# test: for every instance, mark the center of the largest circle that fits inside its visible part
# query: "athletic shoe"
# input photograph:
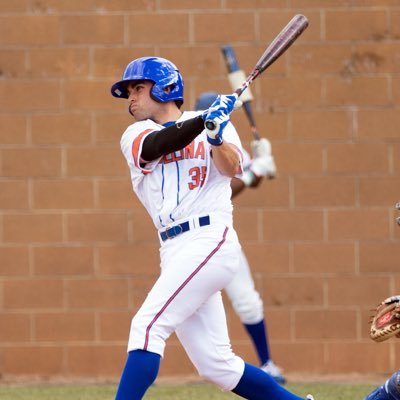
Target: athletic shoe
(310, 397)
(274, 372)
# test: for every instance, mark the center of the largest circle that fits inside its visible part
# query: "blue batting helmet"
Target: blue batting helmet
(156, 69)
(205, 100)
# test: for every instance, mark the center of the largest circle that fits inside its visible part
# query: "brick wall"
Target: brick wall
(77, 251)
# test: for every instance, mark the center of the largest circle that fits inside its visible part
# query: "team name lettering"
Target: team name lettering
(192, 150)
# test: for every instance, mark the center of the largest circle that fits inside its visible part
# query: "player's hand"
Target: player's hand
(218, 114)
(263, 166)
(261, 148)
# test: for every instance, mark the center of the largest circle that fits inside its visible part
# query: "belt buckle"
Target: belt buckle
(173, 231)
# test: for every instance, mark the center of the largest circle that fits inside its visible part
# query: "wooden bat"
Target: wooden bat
(278, 46)
(237, 75)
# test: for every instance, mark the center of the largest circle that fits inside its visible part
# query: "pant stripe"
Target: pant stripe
(181, 287)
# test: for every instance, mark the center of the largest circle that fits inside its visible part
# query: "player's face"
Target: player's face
(141, 105)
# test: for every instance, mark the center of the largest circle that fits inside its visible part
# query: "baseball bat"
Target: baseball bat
(237, 75)
(278, 46)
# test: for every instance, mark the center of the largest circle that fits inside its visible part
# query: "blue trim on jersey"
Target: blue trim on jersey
(178, 182)
(169, 123)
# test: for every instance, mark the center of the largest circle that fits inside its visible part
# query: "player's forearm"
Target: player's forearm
(172, 138)
(226, 159)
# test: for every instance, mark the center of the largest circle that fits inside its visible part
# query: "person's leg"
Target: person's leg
(205, 338)
(140, 372)
(248, 305)
(390, 390)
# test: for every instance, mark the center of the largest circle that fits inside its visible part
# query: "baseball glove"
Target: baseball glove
(385, 322)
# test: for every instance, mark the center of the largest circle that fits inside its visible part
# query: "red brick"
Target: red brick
(13, 129)
(45, 93)
(116, 193)
(293, 225)
(142, 227)
(379, 257)
(176, 361)
(15, 327)
(38, 361)
(238, 27)
(34, 30)
(318, 58)
(160, 29)
(356, 24)
(104, 294)
(88, 95)
(64, 327)
(13, 194)
(33, 294)
(247, 223)
(63, 261)
(321, 5)
(125, 5)
(272, 22)
(323, 258)
(379, 191)
(288, 291)
(97, 227)
(63, 194)
(326, 191)
(358, 224)
(12, 64)
(110, 127)
(298, 158)
(56, 63)
(142, 258)
(288, 92)
(52, 6)
(96, 360)
(17, 6)
(188, 4)
(111, 61)
(367, 353)
(32, 228)
(115, 325)
(378, 124)
(321, 125)
(325, 324)
(275, 257)
(396, 157)
(357, 158)
(356, 290)
(93, 29)
(270, 193)
(360, 90)
(101, 161)
(14, 261)
(32, 162)
(61, 129)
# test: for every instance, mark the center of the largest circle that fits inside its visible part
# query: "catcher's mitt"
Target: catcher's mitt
(386, 320)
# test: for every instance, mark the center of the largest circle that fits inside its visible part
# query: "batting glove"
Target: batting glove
(264, 166)
(263, 163)
(218, 116)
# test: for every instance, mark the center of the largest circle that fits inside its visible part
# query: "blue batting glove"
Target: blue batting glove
(217, 117)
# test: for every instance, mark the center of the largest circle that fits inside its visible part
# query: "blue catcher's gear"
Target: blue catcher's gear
(205, 100)
(156, 69)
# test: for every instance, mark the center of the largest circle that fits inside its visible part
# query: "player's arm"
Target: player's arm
(226, 159)
(247, 180)
(172, 138)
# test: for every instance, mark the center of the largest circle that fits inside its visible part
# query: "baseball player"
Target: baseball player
(245, 299)
(181, 173)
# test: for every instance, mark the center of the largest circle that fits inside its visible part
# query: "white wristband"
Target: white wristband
(247, 178)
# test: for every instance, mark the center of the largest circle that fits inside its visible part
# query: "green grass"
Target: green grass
(197, 391)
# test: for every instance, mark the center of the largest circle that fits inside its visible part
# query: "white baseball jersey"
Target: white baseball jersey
(174, 186)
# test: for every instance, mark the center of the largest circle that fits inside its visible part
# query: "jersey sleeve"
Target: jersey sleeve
(132, 145)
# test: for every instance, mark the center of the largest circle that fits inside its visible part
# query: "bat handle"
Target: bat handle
(211, 125)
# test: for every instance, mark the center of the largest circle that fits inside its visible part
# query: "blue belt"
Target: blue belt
(183, 227)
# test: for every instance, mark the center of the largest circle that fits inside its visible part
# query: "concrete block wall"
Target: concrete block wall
(77, 250)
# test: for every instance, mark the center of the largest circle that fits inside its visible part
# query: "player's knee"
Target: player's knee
(250, 309)
(224, 375)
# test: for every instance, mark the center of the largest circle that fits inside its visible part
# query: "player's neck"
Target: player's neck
(168, 113)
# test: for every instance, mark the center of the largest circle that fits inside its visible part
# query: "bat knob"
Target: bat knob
(210, 125)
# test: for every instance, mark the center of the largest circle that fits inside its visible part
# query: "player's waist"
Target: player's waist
(196, 222)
